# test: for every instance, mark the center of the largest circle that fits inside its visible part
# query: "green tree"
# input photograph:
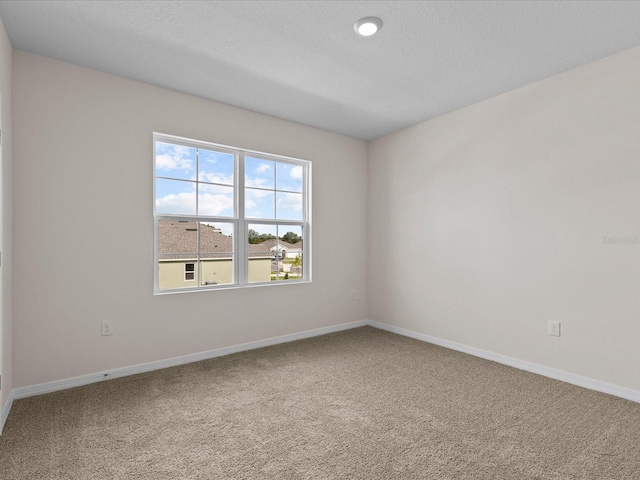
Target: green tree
(291, 237)
(255, 237)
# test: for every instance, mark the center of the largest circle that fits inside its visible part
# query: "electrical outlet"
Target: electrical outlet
(106, 328)
(554, 328)
(353, 294)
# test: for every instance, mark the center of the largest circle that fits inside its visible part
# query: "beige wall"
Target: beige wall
(83, 186)
(171, 273)
(6, 231)
(500, 209)
(259, 269)
(220, 270)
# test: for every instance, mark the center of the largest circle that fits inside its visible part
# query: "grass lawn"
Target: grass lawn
(291, 277)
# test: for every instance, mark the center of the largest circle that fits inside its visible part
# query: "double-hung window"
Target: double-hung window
(228, 217)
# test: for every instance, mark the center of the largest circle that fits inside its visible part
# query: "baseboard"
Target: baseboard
(56, 385)
(4, 413)
(556, 374)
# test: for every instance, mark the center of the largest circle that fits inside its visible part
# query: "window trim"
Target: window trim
(239, 221)
(192, 272)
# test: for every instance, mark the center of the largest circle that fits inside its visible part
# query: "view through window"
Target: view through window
(228, 217)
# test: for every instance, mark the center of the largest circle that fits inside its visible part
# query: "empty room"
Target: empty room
(320, 240)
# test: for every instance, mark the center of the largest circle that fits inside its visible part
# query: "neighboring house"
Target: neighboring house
(279, 248)
(178, 261)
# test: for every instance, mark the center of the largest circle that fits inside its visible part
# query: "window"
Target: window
(189, 272)
(228, 217)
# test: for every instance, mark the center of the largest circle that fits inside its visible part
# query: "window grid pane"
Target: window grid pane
(285, 201)
(216, 254)
(201, 184)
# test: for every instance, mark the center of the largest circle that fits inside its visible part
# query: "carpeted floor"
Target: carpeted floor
(360, 404)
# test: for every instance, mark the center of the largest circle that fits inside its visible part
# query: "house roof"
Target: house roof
(269, 244)
(179, 239)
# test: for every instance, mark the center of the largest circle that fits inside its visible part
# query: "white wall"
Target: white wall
(6, 67)
(483, 224)
(499, 210)
(84, 230)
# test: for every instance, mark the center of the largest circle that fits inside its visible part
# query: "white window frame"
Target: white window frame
(239, 222)
(187, 272)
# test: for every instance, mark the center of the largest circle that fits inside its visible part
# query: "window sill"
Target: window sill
(218, 288)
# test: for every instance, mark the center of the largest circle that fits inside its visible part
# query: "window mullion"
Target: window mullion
(198, 272)
(197, 177)
(206, 225)
(306, 230)
(242, 260)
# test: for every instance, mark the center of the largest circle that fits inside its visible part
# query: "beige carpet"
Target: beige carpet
(361, 404)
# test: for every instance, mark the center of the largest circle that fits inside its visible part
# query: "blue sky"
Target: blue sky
(273, 188)
(264, 180)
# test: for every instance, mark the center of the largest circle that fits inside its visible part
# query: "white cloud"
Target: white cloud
(257, 201)
(175, 157)
(258, 194)
(209, 204)
(208, 156)
(255, 182)
(263, 168)
(184, 203)
(214, 178)
(289, 201)
(296, 172)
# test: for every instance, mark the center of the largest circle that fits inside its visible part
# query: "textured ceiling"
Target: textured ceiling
(302, 61)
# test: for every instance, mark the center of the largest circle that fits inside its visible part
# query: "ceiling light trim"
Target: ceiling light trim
(367, 26)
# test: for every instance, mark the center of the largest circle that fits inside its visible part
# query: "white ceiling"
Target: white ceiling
(302, 61)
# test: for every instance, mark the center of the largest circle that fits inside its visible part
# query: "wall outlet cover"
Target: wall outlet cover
(554, 328)
(106, 328)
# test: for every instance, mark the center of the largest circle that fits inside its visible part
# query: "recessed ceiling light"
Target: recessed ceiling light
(367, 26)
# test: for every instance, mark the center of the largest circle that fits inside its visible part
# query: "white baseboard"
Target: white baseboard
(556, 374)
(54, 386)
(4, 413)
